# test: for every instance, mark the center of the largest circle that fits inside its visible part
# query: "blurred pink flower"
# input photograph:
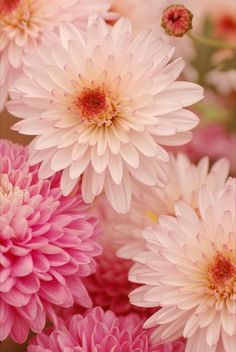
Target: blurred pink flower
(24, 22)
(189, 269)
(109, 286)
(101, 106)
(47, 246)
(101, 332)
(214, 141)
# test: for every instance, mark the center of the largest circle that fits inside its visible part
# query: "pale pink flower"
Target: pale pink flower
(101, 105)
(189, 269)
(47, 246)
(23, 23)
(185, 181)
(101, 332)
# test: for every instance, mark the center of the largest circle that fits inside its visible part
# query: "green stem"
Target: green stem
(212, 42)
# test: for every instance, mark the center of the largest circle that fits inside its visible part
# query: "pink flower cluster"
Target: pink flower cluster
(101, 332)
(47, 246)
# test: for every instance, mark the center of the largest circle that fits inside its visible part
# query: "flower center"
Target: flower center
(7, 190)
(222, 276)
(16, 14)
(96, 107)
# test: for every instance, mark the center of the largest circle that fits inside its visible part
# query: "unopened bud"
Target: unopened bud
(176, 20)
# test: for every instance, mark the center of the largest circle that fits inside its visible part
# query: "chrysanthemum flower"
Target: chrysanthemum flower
(185, 182)
(189, 269)
(23, 22)
(101, 332)
(101, 105)
(47, 246)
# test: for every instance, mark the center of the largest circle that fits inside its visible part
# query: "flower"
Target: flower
(189, 269)
(109, 285)
(223, 81)
(99, 331)
(176, 20)
(100, 105)
(215, 141)
(148, 206)
(24, 22)
(47, 246)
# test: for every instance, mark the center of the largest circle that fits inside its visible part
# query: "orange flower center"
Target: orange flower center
(222, 275)
(95, 106)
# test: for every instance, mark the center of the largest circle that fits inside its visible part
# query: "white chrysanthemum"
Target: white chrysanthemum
(101, 104)
(189, 269)
(185, 181)
(23, 22)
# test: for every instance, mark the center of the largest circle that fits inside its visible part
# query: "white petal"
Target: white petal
(144, 143)
(115, 166)
(79, 165)
(61, 159)
(119, 196)
(67, 184)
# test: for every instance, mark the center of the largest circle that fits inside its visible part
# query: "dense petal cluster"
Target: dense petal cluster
(47, 245)
(101, 104)
(189, 269)
(101, 332)
(185, 181)
(23, 23)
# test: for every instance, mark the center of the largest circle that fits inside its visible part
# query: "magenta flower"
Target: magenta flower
(47, 246)
(109, 286)
(101, 332)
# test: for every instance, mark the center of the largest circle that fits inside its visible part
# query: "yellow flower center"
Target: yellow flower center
(95, 106)
(222, 275)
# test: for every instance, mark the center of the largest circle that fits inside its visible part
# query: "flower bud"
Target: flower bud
(176, 20)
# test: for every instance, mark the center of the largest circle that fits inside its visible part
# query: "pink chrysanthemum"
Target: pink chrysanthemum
(189, 269)
(185, 182)
(100, 105)
(99, 331)
(23, 23)
(47, 246)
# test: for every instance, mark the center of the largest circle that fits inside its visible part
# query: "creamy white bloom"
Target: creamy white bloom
(23, 23)
(101, 104)
(189, 269)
